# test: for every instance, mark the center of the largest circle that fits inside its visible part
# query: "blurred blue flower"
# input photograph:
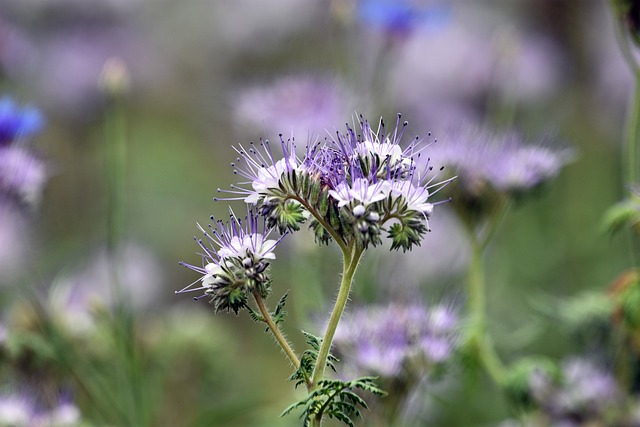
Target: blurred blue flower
(16, 122)
(402, 17)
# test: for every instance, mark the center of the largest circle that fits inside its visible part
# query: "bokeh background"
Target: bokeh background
(202, 76)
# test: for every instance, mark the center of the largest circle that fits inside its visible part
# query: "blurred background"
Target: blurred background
(186, 81)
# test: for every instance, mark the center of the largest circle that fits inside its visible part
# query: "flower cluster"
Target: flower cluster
(348, 187)
(351, 185)
(386, 340)
(235, 257)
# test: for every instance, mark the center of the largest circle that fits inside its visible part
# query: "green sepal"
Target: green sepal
(323, 201)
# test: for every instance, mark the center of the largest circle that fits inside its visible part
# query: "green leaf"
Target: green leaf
(621, 215)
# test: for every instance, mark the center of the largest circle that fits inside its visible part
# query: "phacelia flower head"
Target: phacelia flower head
(351, 184)
(235, 259)
(492, 167)
(503, 161)
(16, 122)
(263, 170)
(387, 340)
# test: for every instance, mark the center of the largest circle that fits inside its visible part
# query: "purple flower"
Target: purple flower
(303, 105)
(503, 161)
(384, 339)
(76, 296)
(584, 392)
(18, 410)
(262, 169)
(16, 122)
(365, 174)
(22, 175)
(235, 258)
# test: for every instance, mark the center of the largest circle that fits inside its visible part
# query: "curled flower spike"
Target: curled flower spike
(235, 260)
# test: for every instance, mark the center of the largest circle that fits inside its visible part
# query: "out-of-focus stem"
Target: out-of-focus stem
(633, 134)
(116, 143)
(479, 337)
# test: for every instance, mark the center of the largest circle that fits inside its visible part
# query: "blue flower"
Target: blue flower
(16, 122)
(402, 16)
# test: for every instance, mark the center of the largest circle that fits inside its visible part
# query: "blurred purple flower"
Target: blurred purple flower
(15, 410)
(305, 105)
(585, 391)
(472, 58)
(503, 161)
(19, 410)
(380, 340)
(75, 296)
(15, 241)
(22, 175)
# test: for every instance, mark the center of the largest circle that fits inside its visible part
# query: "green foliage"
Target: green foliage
(335, 399)
(278, 315)
(518, 380)
(308, 360)
(406, 233)
(621, 215)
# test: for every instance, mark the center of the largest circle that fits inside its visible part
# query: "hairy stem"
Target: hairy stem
(349, 266)
(324, 223)
(275, 330)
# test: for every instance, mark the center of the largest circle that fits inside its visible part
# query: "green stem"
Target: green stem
(480, 339)
(275, 330)
(324, 223)
(116, 143)
(349, 266)
(632, 134)
(630, 150)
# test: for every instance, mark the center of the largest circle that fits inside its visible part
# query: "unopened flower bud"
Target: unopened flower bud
(363, 226)
(114, 77)
(358, 211)
(247, 262)
(373, 217)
